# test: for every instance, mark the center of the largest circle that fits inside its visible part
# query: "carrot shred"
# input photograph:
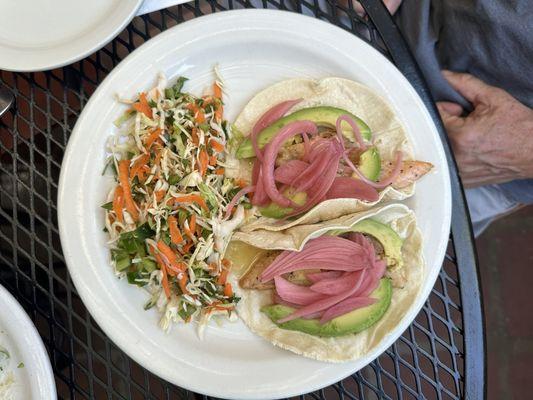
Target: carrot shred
(158, 156)
(219, 171)
(138, 165)
(216, 145)
(152, 138)
(198, 113)
(118, 203)
(192, 223)
(194, 136)
(226, 262)
(159, 195)
(175, 235)
(241, 183)
(183, 283)
(217, 90)
(142, 106)
(228, 290)
(123, 177)
(213, 266)
(213, 160)
(203, 160)
(187, 247)
(171, 257)
(191, 198)
(164, 277)
(223, 277)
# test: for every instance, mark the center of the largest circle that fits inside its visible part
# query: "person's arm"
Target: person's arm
(494, 143)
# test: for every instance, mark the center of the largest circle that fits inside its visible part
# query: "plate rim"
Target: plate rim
(76, 55)
(386, 342)
(26, 324)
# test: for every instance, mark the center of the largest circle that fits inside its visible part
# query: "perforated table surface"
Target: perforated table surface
(440, 356)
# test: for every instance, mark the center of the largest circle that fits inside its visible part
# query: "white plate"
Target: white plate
(18, 335)
(37, 35)
(254, 48)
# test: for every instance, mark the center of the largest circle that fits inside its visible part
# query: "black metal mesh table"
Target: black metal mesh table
(440, 356)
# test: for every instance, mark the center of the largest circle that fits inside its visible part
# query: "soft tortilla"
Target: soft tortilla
(388, 136)
(349, 347)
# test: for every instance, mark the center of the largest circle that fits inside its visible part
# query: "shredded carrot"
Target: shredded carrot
(219, 171)
(152, 138)
(158, 155)
(142, 106)
(191, 198)
(216, 145)
(138, 164)
(226, 262)
(203, 160)
(164, 277)
(188, 246)
(198, 113)
(213, 266)
(183, 283)
(192, 223)
(170, 255)
(175, 235)
(228, 290)
(213, 160)
(188, 232)
(118, 203)
(159, 195)
(218, 94)
(194, 136)
(222, 278)
(123, 177)
(241, 183)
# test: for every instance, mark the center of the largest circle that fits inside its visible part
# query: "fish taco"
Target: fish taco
(310, 151)
(330, 291)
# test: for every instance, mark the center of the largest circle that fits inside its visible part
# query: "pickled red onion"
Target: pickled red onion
(355, 129)
(270, 154)
(236, 198)
(288, 172)
(296, 294)
(267, 119)
(348, 305)
(350, 188)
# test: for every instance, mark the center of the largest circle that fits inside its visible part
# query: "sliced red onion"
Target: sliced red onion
(346, 306)
(315, 170)
(384, 182)
(307, 147)
(344, 187)
(318, 276)
(355, 129)
(270, 154)
(296, 294)
(288, 172)
(336, 285)
(267, 119)
(236, 198)
(323, 304)
(335, 252)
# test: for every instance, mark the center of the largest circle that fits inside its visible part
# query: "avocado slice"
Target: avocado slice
(389, 239)
(349, 323)
(370, 163)
(274, 210)
(322, 116)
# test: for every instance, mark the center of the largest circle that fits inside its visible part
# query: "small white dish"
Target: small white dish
(37, 35)
(253, 49)
(28, 362)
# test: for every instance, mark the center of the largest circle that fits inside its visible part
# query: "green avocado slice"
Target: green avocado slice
(322, 116)
(370, 163)
(275, 211)
(392, 243)
(349, 323)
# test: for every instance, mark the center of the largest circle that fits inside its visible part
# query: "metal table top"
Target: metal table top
(440, 356)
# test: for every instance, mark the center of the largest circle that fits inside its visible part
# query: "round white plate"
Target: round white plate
(37, 35)
(254, 49)
(33, 380)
